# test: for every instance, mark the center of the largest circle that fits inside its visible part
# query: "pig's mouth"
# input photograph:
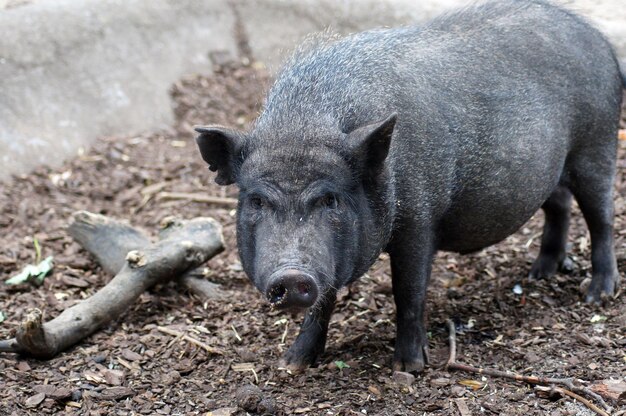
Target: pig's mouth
(292, 289)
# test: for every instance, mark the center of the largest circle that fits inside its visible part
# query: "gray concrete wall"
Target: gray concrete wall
(71, 70)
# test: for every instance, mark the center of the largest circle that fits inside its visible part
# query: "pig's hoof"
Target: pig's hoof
(416, 366)
(547, 266)
(601, 288)
(411, 363)
(298, 359)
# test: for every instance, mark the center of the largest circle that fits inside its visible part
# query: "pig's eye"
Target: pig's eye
(257, 202)
(328, 201)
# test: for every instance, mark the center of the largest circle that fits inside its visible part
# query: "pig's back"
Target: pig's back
(490, 100)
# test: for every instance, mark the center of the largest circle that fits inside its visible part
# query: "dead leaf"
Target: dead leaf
(475, 385)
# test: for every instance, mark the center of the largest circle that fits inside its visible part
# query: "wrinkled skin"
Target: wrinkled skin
(414, 140)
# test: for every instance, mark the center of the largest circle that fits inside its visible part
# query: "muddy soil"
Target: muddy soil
(132, 368)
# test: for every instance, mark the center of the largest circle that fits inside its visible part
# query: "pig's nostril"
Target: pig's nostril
(304, 288)
(277, 294)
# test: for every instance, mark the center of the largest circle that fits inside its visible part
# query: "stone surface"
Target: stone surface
(73, 71)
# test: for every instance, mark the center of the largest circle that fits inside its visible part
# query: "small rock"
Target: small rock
(33, 401)
(267, 406)
(248, 397)
(171, 377)
(77, 395)
(403, 378)
(99, 359)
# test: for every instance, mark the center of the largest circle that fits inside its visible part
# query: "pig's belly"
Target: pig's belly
(480, 217)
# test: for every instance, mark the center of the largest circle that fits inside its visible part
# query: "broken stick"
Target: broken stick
(109, 241)
(567, 382)
(188, 245)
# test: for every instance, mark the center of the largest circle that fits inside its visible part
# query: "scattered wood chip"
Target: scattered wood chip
(440, 382)
(374, 390)
(74, 281)
(33, 401)
(23, 366)
(116, 393)
(113, 377)
(60, 394)
(613, 390)
(130, 355)
(93, 377)
(223, 411)
(462, 406)
(178, 334)
(403, 378)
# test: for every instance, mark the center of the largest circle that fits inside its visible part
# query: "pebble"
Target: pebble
(248, 397)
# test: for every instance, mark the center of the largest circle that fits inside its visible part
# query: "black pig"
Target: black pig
(448, 136)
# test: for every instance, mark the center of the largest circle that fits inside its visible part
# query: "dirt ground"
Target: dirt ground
(131, 368)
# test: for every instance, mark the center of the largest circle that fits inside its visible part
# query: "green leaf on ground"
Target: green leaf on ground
(2, 317)
(341, 365)
(32, 273)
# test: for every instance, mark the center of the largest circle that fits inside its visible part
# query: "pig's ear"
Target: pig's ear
(221, 149)
(370, 143)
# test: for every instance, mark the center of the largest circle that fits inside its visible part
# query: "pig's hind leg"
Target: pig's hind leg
(591, 179)
(552, 255)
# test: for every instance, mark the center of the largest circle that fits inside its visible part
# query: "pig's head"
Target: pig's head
(313, 212)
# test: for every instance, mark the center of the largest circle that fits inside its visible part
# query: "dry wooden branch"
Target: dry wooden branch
(186, 246)
(567, 382)
(109, 241)
(554, 390)
(216, 200)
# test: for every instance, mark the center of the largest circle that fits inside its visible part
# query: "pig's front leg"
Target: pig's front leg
(411, 252)
(311, 340)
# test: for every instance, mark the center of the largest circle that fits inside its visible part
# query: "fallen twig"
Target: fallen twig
(217, 200)
(190, 339)
(552, 390)
(109, 241)
(186, 246)
(567, 382)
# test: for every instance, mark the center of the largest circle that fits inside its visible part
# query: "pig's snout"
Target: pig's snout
(292, 288)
